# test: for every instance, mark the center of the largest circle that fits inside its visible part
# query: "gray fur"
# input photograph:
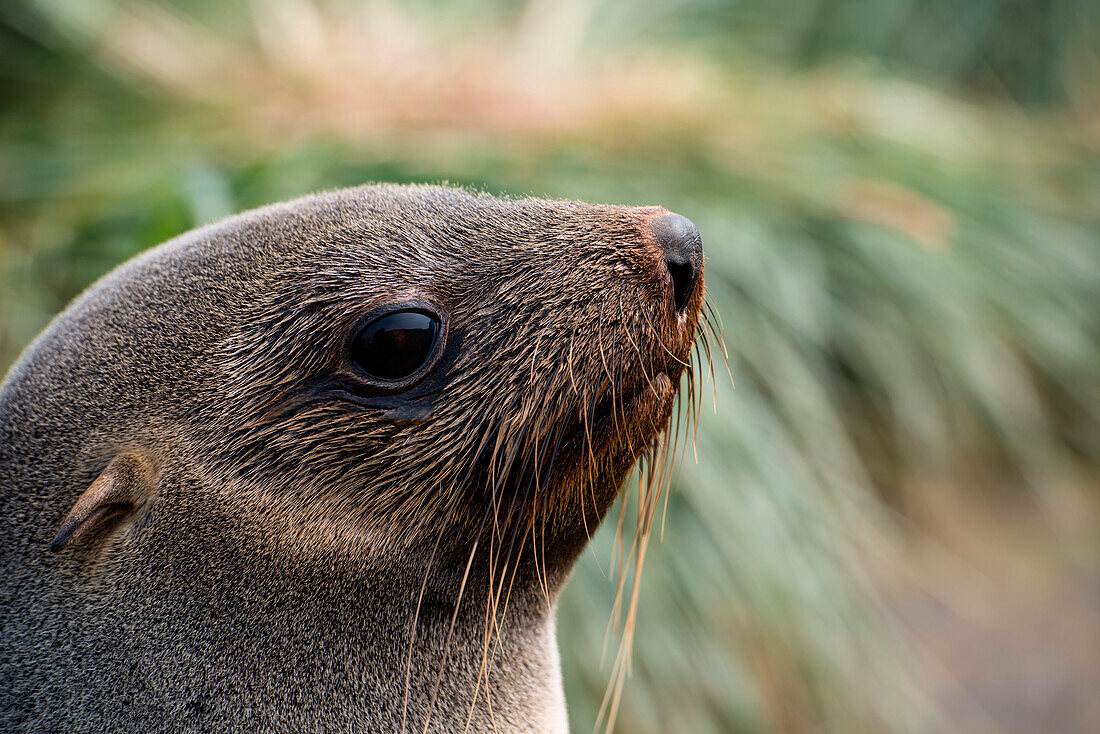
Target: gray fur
(269, 578)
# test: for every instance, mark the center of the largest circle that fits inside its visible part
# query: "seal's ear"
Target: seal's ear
(118, 489)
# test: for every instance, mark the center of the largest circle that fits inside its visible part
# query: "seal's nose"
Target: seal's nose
(679, 240)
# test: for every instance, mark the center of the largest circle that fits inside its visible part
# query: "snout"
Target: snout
(682, 249)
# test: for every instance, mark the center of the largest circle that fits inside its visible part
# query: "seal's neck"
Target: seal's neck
(374, 645)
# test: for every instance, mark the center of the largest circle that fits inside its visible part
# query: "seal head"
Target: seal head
(300, 465)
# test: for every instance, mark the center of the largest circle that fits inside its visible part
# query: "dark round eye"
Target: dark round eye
(396, 345)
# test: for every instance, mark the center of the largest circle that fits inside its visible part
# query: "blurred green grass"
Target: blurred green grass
(905, 260)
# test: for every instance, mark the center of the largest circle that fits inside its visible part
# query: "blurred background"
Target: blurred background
(893, 524)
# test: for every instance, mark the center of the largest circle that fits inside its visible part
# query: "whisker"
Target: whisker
(454, 620)
(416, 619)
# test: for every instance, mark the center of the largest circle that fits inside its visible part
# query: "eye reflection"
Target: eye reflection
(396, 345)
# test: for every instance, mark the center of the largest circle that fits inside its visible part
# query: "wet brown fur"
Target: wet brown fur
(311, 552)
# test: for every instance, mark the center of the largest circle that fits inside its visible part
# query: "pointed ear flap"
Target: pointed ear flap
(119, 489)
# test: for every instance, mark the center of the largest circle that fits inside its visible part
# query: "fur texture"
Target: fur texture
(299, 550)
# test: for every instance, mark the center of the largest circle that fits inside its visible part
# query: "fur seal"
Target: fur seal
(326, 465)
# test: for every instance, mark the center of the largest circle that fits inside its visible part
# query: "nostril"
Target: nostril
(683, 281)
(679, 240)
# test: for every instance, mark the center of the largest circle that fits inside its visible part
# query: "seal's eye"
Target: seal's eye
(395, 345)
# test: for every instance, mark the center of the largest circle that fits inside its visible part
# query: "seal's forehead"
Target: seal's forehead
(408, 206)
(396, 225)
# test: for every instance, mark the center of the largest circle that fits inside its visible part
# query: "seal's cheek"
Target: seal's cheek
(645, 414)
